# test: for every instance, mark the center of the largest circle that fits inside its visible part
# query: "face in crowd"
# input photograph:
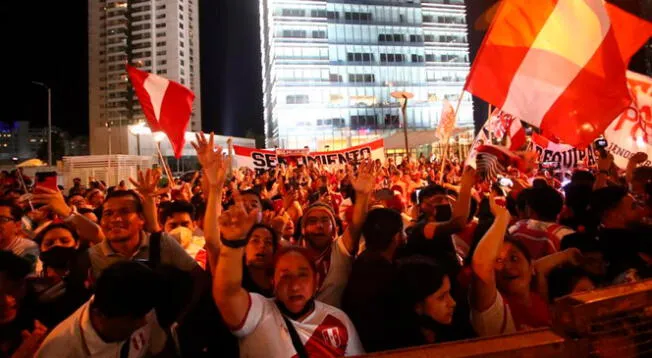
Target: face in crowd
(440, 305)
(318, 229)
(9, 227)
(121, 219)
(180, 219)
(513, 269)
(295, 280)
(259, 251)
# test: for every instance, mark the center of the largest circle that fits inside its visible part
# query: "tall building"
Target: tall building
(329, 67)
(158, 36)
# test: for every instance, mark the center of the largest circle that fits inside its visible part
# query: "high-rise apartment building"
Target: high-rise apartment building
(158, 36)
(329, 67)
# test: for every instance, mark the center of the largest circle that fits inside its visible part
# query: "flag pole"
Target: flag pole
(164, 163)
(22, 183)
(445, 156)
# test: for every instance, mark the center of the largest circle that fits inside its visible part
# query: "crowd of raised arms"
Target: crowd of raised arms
(309, 260)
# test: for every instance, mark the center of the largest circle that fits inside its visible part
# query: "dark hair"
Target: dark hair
(41, 235)
(419, 277)
(268, 228)
(380, 227)
(85, 211)
(562, 280)
(539, 183)
(16, 267)
(307, 254)
(430, 191)
(605, 199)
(15, 211)
(125, 289)
(582, 176)
(546, 202)
(581, 241)
(119, 194)
(520, 246)
(252, 192)
(178, 206)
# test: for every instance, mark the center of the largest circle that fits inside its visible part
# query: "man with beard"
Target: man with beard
(293, 323)
(621, 232)
(334, 256)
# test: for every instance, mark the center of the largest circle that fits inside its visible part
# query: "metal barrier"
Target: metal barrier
(611, 322)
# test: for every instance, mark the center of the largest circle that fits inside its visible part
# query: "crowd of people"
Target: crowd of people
(309, 260)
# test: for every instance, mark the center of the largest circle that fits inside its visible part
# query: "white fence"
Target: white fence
(109, 168)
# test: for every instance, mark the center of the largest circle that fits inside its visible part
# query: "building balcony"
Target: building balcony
(446, 64)
(409, 3)
(300, 20)
(294, 40)
(373, 23)
(377, 43)
(447, 45)
(377, 63)
(326, 83)
(445, 26)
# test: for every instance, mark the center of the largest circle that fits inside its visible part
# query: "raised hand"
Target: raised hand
(468, 177)
(147, 184)
(365, 180)
(214, 163)
(638, 158)
(53, 199)
(31, 341)
(496, 209)
(235, 223)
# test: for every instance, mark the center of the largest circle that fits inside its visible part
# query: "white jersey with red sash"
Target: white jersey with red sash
(541, 238)
(334, 268)
(326, 332)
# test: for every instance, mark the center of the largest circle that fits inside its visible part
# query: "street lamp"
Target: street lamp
(49, 119)
(404, 96)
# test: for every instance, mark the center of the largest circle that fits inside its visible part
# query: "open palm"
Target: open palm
(215, 164)
(365, 180)
(147, 183)
(235, 223)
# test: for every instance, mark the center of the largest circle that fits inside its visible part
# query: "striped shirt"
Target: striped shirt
(541, 238)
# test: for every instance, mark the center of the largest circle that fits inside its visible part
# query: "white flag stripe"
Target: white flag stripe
(566, 46)
(156, 87)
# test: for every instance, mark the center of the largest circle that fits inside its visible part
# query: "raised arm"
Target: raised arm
(215, 167)
(231, 299)
(53, 199)
(546, 264)
(483, 288)
(363, 184)
(147, 187)
(633, 162)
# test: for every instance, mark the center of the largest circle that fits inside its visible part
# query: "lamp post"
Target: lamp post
(404, 96)
(49, 119)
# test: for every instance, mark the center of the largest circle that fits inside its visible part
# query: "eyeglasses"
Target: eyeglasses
(6, 219)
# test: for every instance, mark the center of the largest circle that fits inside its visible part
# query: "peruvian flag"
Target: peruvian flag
(559, 64)
(167, 105)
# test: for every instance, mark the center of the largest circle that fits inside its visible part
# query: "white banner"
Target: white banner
(267, 159)
(631, 132)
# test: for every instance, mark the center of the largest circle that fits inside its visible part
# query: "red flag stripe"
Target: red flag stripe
(176, 106)
(138, 82)
(500, 39)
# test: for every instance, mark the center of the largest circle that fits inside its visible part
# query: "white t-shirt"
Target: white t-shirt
(76, 337)
(333, 285)
(326, 332)
(494, 321)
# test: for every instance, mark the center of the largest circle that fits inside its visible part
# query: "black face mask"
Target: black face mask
(58, 257)
(443, 212)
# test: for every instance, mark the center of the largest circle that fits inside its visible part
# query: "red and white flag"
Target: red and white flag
(446, 122)
(167, 105)
(631, 132)
(507, 129)
(559, 64)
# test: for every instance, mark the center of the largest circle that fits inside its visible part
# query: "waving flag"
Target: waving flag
(559, 64)
(167, 105)
(446, 122)
(506, 129)
(631, 132)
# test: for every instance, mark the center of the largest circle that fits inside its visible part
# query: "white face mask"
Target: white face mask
(183, 235)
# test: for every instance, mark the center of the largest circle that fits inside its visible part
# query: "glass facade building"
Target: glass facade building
(329, 67)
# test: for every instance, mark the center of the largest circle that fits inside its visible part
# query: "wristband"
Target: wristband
(235, 244)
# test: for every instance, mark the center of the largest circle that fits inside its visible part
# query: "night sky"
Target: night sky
(48, 42)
